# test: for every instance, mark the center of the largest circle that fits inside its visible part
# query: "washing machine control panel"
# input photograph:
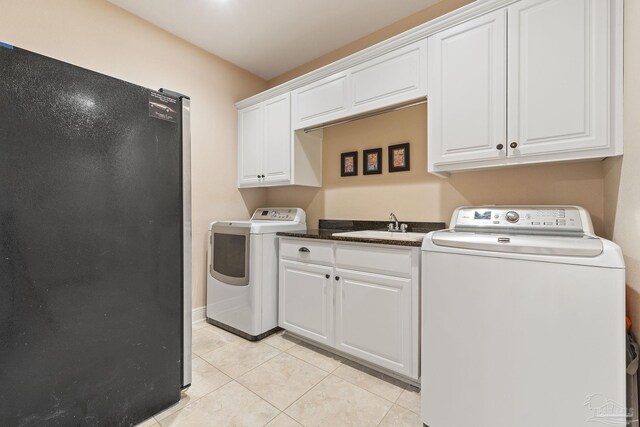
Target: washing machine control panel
(275, 214)
(560, 219)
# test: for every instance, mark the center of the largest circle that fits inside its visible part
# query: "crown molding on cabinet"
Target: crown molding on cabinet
(455, 17)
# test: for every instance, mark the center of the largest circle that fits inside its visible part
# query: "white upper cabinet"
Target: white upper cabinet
(269, 153)
(508, 82)
(562, 100)
(558, 76)
(467, 91)
(250, 145)
(321, 101)
(392, 78)
(277, 140)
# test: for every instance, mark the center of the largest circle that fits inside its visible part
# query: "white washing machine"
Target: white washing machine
(242, 273)
(523, 320)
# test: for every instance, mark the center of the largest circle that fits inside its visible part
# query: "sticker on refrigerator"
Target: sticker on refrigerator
(163, 107)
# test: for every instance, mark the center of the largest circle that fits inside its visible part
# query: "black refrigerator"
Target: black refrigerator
(95, 255)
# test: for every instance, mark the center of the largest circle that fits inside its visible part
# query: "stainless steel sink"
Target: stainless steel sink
(385, 235)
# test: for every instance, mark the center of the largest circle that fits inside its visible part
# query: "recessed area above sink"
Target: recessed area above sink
(385, 235)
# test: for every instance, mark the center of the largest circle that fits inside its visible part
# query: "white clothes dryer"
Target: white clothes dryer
(242, 272)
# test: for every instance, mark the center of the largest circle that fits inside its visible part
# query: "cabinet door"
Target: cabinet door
(249, 145)
(393, 78)
(306, 300)
(467, 92)
(374, 319)
(321, 101)
(558, 76)
(277, 139)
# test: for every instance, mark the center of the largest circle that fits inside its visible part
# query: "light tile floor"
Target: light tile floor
(280, 382)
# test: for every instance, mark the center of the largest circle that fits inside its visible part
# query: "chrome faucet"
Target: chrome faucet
(393, 226)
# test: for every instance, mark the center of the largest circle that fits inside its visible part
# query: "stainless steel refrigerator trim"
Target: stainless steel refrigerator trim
(186, 239)
(238, 231)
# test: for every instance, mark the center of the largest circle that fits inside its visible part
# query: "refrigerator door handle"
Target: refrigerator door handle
(186, 238)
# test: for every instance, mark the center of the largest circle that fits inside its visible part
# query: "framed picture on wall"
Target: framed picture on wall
(349, 164)
(372, 161)
(399, 157)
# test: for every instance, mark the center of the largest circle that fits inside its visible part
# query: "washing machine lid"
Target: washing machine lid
(579, 246)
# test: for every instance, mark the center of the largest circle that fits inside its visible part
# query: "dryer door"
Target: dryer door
(230, 247)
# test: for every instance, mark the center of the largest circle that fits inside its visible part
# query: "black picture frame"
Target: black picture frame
(406, 154)
(344, 165)
(372, 161)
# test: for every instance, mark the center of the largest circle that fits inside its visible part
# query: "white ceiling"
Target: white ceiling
(270, 37)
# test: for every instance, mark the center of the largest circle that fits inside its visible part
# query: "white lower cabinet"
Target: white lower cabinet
(373, 319)
(349, 305)
(306, 300)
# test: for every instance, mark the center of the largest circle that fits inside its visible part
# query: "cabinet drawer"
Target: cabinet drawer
(394, 262)
(306, 251)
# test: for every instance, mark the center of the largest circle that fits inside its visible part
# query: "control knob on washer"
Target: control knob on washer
(512, 216)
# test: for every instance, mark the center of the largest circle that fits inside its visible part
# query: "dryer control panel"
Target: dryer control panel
(278, 214)
(531, 219)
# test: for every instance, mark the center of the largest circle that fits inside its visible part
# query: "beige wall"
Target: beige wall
(396, 28)
(97, 35)
(622, 175)
(419, 196)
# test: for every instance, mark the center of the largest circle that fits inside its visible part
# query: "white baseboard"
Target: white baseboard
(199, 314)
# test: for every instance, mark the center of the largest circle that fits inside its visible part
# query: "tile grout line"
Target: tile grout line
(195, 400)
(254, 342)
(264, 400)
(404, 407)
(398, 398)
(257, 366)
(303, 395)
(298, 359)
(224, 338)
(362, 388)
(301, 359)
(385, 415)
(271, 345)
(213, 391)
(340, 362)
(343, 379)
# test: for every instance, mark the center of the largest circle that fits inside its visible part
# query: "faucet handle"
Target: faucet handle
(390, 226)
(403, 228)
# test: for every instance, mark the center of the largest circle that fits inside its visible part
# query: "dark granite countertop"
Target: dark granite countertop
(328, 227)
